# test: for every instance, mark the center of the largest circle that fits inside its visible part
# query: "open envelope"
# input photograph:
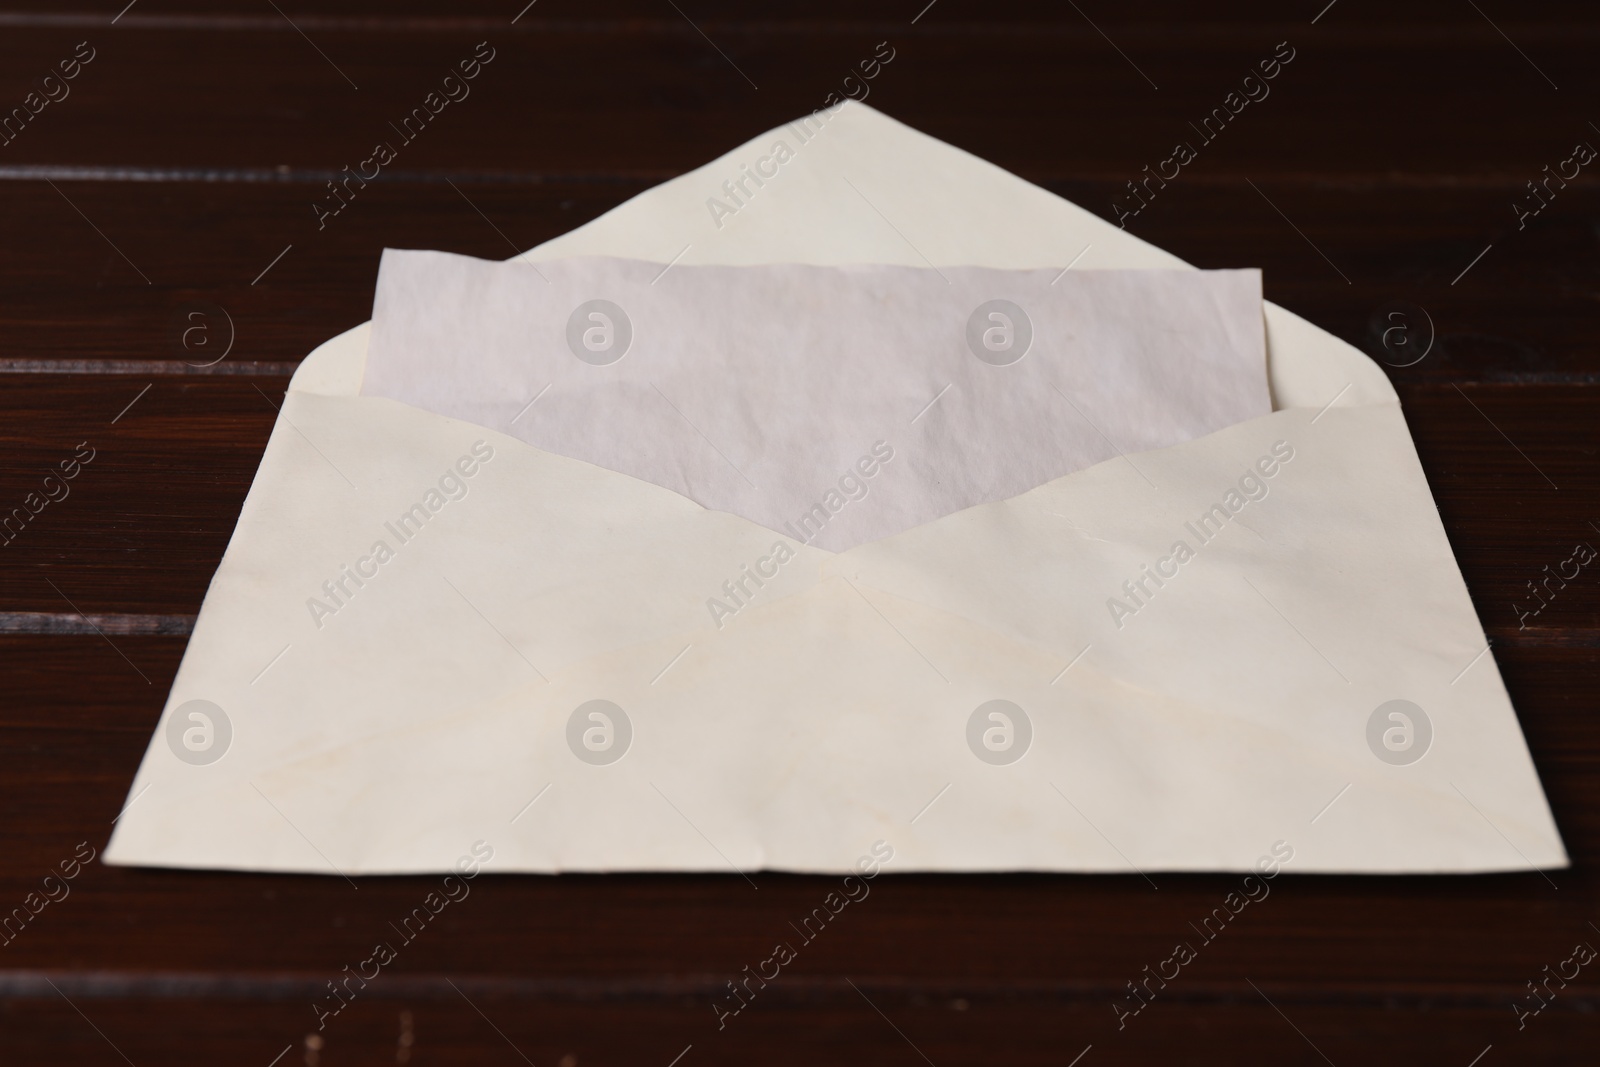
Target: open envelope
(535, 668)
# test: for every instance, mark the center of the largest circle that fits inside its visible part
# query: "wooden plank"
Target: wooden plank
(1052, 97)
(1516, 314)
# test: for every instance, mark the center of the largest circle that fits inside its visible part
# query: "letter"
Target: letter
(865, 89)
(1148, 177)
(460, 87)
(79, 851)
(1229, 100)
(362, 971)
(361, 168)
(382, 552)
(1132, 594)
(418, 515)
(384, 954)
(761, 968)
(1149, 577)
(70, 868)
(429, 902)
(832, 898)
(1266, 890)
(832, 103)
(32, 99)
(346, 983)
(748, 977)
(79, 452)
(65, 889)
(31, 899)
(469, 68)
(421, 916)
(867, 867)
(31, 499)
(419, 117)
(762, 570)
(751, 177)
(1232, 501)
(718, 209)
(1116, 606)
(732, 194)
(433, 499)
(490, 57)
(322, 1016)
(1184, 154)
(869, 68)
(1261, 85)
(1561, 568)
(332, 594)
(714, 606)
(865, 888)
(1267, 466)
(742, 581)
(61, 86)
(452, 485)
(1561, 968)
(466, 890)
(805, 924)
(1561, 168)
(1278, 51)
(1123, 1014)
(1252, 487)
(483, 450)
(467, 867)
(879, 52)
(1137, 994)
(1282, 850)
(732, 594)
(1583, 153)
(1149, 978)
(1161, 168)
(69, 468)
(1523, 1016)
(1219, 514)
(65, 489)
(1123, 214)
(1182, 552)
(782, 153)
(740, 184)
(1283, 450)
(1173, 573)
(348, 574)
(1548, 577)
(723, 1015)
(318, 609)
(359, 569)
(1549, 978)
(1143, 583)
(1269, 68)
(69, 68)
(323, 214)
(485, 851)
(1546, 182)
(883, 451)
(79, 52)
(12, 518)
(1222, 923)
(1579, 551)
(1234, 903)
(434, 102)
(867, 466)
(1584, 952)
(1176, 969)
(344, 183)
(1522, 616)
(1535, 592)
(782, 552)
(21, 117)
(1220, 116)
(1267, 867)
(773, 173)
(853, 487)
(384, 154)
(817, 514)
(467, 466)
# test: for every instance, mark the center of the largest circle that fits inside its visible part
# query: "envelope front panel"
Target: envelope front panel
(536, 665)
(779, 393)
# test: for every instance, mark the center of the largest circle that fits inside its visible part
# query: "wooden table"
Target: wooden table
(161, 207)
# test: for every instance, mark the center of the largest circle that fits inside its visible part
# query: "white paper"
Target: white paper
(837, 405)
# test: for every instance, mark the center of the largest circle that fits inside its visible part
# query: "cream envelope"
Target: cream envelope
(1042, 682)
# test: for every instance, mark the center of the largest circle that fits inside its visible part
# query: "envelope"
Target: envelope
(1180, 658)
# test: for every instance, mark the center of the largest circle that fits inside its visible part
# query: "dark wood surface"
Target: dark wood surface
(187, 156)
